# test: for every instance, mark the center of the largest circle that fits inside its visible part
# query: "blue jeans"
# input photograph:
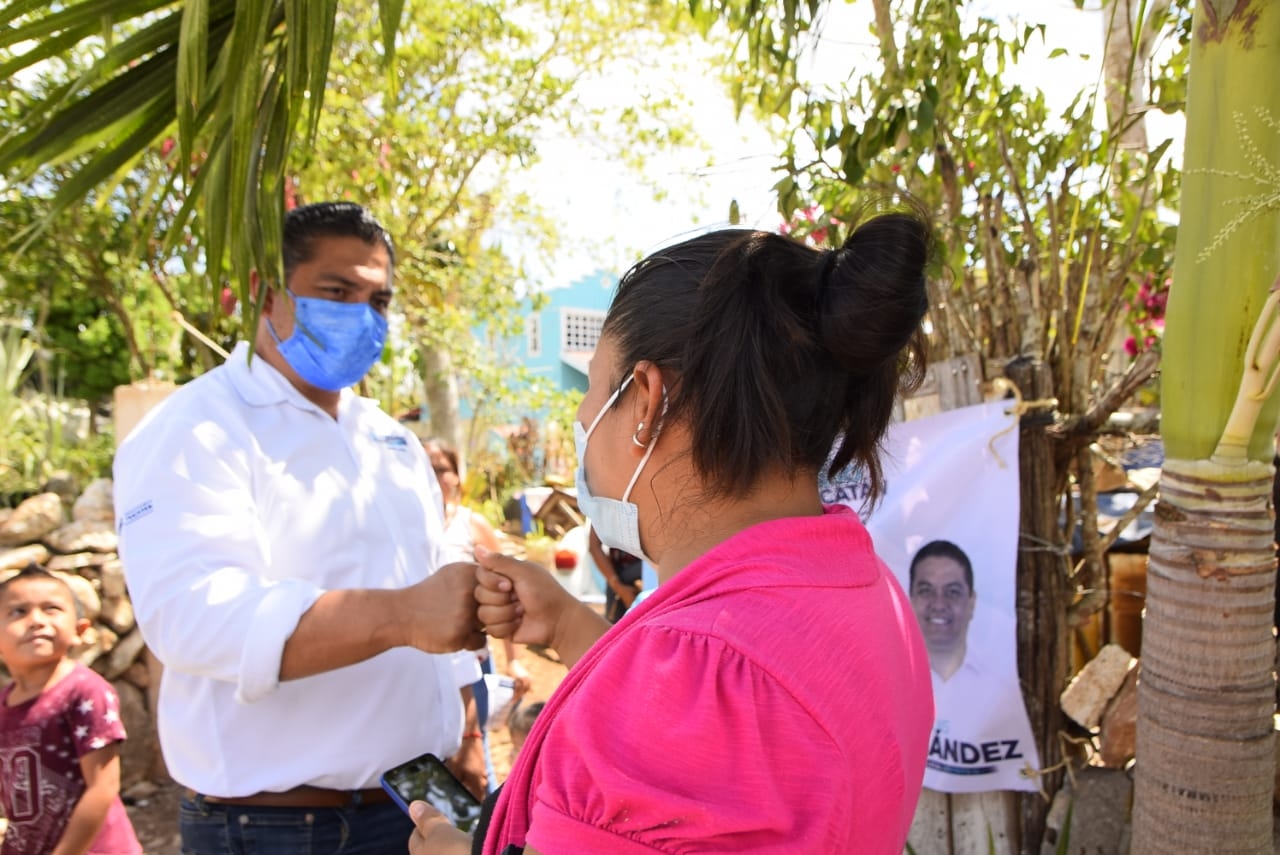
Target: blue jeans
(211, 829)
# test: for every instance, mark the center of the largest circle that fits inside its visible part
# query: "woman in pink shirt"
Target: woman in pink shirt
(712, 717)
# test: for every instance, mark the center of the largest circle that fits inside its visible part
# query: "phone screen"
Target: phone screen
(426, 778)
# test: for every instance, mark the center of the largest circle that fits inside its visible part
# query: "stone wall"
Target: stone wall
(74, 536)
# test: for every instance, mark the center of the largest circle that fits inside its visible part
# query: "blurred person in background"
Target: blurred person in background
(464, 530)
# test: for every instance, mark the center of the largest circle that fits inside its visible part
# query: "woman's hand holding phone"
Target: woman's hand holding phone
(427, 778)
(434, 834)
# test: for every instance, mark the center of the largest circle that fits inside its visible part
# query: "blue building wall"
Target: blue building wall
(588, 295)
(591, 293)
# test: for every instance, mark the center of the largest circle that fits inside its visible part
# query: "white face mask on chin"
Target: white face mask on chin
(616, 521)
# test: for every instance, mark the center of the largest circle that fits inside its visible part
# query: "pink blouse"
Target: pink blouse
(774, 696)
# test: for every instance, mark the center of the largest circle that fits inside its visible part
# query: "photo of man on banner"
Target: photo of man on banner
(948, 529)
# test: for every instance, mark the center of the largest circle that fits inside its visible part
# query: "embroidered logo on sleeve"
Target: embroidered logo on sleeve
(134, 514)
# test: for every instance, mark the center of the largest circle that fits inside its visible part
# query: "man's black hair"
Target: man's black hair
(304, 224)
(942, 549)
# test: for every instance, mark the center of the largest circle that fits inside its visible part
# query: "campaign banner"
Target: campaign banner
(947, 526)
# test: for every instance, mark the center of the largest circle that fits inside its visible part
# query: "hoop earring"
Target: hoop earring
(635, 437)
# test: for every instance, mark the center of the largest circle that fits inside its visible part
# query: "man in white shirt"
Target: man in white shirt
(281, 539)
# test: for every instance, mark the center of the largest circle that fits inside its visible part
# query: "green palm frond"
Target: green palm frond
(240, 83)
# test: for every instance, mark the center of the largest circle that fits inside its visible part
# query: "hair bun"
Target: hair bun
(872, 291)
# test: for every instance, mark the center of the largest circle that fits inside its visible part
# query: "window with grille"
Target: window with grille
(580, 328)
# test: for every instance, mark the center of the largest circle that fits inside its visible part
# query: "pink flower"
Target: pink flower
(228, 301)
(1157, 303)
(1131, 346)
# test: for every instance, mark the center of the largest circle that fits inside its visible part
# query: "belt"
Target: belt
(301, 797)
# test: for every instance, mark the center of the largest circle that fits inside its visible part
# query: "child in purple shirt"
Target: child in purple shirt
(60, 730)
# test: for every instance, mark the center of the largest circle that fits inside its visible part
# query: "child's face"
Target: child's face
(38, 623)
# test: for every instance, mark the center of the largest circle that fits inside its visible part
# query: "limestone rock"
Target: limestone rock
(84, 536)
(112, 578)
(95, 503)
(32, 520)
(1119, 727)
(1087, 695)
(122, 655)
(1090, 814)
(117, 613)
(140, 751)
(17, 559)
(90, 602)
(139, 674)
(77, 561)
(96, 641)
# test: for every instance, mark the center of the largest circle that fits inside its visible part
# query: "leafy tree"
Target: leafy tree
(237, 78)
(433, 150)
(423, 124)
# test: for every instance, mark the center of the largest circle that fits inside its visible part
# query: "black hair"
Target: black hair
(305, 223)
(35, 571)
(521, 717)
(942, 549)
(780, 350)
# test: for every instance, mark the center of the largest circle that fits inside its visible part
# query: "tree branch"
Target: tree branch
(1083, 426)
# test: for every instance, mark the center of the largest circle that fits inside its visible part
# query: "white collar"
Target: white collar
(259, 384)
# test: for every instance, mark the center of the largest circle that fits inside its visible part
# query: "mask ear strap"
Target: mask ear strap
(606, 406)
(626, 494)
(653, 443)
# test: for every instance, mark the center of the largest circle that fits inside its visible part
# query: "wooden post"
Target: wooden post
(1042, 593)
(134, 401)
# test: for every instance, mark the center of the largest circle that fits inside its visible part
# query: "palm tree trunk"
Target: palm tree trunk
(1206, 693)
(1206, 750)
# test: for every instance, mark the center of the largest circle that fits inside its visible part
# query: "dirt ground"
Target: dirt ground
(155, 814)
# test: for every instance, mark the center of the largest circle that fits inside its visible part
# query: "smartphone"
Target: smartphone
(426, 778)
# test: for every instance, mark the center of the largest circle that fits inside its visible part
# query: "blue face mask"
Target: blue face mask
(333, 344)
(616, 521)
